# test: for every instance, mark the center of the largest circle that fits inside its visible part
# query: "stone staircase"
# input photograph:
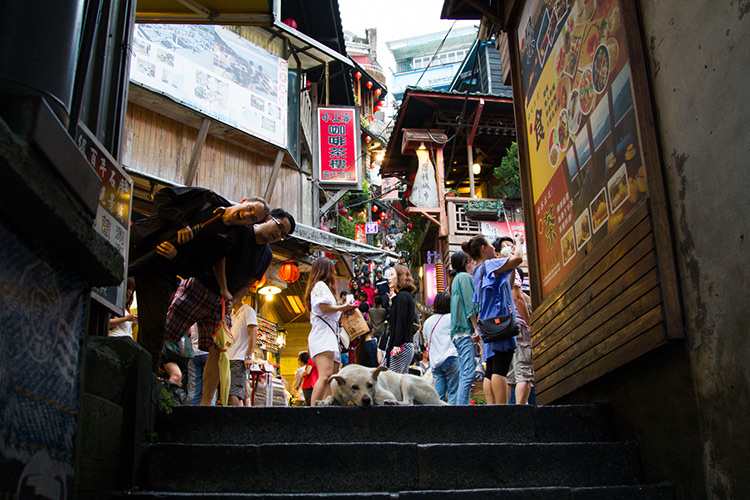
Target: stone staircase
(479, 452)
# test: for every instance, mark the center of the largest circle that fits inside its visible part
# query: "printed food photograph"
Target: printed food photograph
(601, 68)
(586, 91)
(554, 149)
(582, 229)
(599, 211)
(574, 112)
(619, 191)
(563, 131)
(568, 246)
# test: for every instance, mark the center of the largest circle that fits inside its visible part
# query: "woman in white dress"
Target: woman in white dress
(323, 342)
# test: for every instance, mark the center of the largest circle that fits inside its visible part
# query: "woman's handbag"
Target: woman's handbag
(499, 328)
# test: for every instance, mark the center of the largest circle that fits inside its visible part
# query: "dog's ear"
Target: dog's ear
(377, 371)
(338, 378)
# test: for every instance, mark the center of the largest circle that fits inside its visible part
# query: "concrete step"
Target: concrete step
(662, 491)
(421, 424)
(344, 467)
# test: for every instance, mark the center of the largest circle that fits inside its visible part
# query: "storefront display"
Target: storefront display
(268, 336)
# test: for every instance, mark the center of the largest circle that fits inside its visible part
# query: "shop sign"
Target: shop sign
(430, 283)
(338, 146)
(113, 213)
(217, 72)
(371, 228)
(582, 133)
(359, 233)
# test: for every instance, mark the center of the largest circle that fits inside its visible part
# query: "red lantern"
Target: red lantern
(343, 211)
(372, 166)
(289, 272)
(350, 219)
(390, 216)
(368, 138)
(374, 208)
(357, 75)
(368, 85)
(409, 226)
(381, 103)
(378, 92)
(290, 22)
(372, 119)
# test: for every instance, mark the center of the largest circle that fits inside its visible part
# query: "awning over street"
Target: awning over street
(322, 240)
(236, 12)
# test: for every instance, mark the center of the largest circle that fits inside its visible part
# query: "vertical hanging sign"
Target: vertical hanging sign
(338, 146)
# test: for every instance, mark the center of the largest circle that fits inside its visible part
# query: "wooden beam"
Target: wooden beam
(274, 175)
(336, 197)
(197, 150)
(423, 212)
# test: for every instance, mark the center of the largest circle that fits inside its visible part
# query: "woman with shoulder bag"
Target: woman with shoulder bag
(401, 321)
(492, 293)
(323, 340)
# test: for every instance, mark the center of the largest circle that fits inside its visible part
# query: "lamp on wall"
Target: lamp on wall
(477, 166)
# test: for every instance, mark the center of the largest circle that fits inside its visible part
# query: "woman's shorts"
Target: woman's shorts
(498, 364)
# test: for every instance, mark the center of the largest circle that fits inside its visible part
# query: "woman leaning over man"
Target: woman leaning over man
(323, 341)
(492, 293)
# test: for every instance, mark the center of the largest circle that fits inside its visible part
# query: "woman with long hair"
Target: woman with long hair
(443, 356)
(492, 293)
(464, 330)
(323, 342)
(401, 320)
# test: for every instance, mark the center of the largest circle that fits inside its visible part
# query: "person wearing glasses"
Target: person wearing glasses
(199, 299)
(177, 210)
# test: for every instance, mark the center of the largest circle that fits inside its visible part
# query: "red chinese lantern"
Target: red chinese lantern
(357, 75)
(374, 208)
(368, 85)
(372, 119)
(290, 22)
(289, 272)
(350, 218)
(372, 166)
(409, 226)
(368, 138)
(378, 92)
(343, 211)
(381, 104)
(390, 216)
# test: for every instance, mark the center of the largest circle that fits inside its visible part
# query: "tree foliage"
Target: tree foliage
(508, 175)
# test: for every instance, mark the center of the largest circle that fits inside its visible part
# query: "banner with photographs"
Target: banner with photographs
(585, 148)
(214, 71)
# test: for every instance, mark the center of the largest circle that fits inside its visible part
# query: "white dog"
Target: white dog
(357, 385)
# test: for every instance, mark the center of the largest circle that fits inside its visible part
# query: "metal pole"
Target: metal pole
(470, 154)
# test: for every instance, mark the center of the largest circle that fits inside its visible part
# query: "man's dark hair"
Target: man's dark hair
(498, 243)
(378, 300)
(304, 356)
(280, 213)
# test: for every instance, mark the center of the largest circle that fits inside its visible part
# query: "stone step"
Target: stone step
(662, 491)
(422, 424)
(345, 467)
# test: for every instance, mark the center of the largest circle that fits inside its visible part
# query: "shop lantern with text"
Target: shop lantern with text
(338, 147)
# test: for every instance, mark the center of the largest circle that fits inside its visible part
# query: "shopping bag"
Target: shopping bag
(354, 323)
(223, 339)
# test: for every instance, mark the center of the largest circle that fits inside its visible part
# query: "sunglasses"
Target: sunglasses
(281, 228)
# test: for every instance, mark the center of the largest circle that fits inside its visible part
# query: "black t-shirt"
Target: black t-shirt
(247, 259)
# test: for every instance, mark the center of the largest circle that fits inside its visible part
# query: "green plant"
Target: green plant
(508, 175)
(345, 228)
(479, 398)
(412, 238)
(167, 401)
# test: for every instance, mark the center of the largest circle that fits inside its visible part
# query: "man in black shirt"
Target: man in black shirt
(199, 300)
(177, 209)
(383, 288)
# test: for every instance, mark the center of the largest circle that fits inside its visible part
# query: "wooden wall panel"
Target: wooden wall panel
(607, 313)
(162, 147)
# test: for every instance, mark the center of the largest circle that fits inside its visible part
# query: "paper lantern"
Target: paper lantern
(289, 272)
(343, 211)
(378, 92)
(368, 85)
(357, 75)
(409, 226)
(374, 208)
(350, 218)
(368, 138)
(290, 22)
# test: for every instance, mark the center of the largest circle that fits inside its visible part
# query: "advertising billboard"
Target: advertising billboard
(584, 140)
(214, 71)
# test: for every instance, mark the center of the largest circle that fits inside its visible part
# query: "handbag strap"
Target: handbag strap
(505, 283)
(429, 342)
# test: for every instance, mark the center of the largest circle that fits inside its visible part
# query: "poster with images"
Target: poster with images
(214, 71)
(583, 136)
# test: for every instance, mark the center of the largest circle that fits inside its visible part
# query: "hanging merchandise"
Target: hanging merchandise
(424, 192)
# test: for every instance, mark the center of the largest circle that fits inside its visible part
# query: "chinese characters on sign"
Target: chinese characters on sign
(113, 213)
(338, 157)
(371, 228)
(359, 233)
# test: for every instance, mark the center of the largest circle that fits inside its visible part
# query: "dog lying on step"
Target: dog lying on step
(357, 385)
